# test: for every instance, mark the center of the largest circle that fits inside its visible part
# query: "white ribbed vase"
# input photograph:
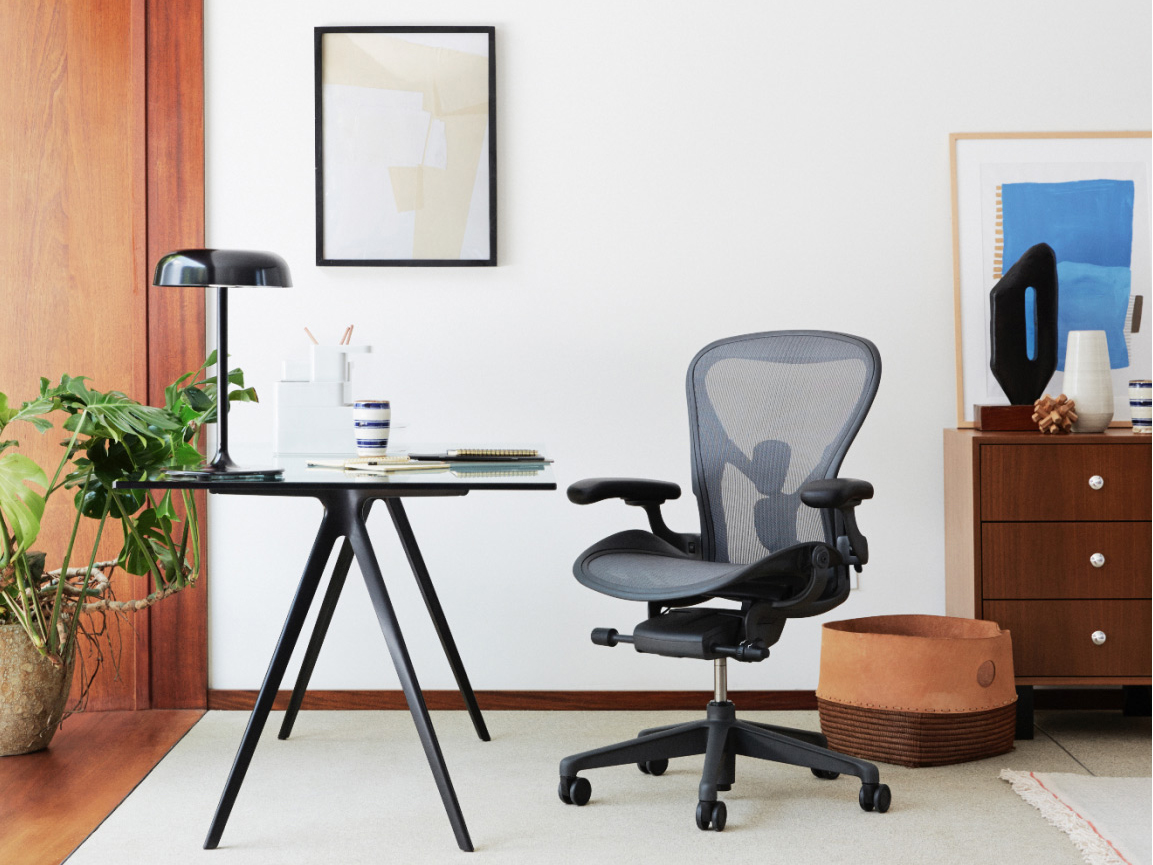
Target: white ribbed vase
(1088, 380)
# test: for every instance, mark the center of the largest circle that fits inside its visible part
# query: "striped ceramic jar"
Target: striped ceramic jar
(1141, 405)
(371, 421)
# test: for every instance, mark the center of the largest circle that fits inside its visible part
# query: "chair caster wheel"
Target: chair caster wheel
(826, 774)
(574, 790)
(653, 767)
(711, 815)
(875, 797)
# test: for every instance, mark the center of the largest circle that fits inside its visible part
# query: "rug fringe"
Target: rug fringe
(1096, 849)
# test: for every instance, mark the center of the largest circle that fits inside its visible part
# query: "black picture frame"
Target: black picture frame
(322, 259)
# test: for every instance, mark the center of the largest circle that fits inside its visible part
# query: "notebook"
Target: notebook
(484, 455)
(378, 465)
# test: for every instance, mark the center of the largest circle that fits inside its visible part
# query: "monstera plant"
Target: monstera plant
(48, 598)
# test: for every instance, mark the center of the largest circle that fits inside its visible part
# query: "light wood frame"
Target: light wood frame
(965, 136)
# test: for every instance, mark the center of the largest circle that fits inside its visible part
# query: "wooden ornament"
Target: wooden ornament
(1054, 415)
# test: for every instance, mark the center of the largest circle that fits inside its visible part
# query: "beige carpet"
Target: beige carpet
(353, 787)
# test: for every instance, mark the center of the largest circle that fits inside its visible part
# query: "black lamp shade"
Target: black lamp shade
(222, 267)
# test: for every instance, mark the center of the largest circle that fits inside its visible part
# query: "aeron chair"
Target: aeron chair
(772, 416)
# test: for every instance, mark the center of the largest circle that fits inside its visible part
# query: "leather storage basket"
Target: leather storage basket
(917, 690)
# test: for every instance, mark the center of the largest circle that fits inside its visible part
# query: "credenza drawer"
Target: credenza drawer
(1055, 638)
(1041, 482)
(1066, 560)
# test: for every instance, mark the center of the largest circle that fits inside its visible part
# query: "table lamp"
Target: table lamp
(222, 269)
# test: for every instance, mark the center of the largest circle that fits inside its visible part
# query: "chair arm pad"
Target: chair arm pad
(633, 490)
(836, 493)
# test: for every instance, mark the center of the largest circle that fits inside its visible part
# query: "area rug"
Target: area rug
(1107, 818)
(354, 788)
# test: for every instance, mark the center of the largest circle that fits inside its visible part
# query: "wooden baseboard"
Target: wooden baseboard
(524, 700)
(1045, 698)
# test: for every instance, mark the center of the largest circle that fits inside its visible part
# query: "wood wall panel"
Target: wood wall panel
(69, 212)
(175, 154)
(101, 171)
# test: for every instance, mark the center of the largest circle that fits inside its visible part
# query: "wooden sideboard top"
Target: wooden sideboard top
(1112, 436)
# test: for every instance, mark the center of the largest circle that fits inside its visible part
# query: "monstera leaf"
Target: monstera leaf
(29, 412)
(21, 505)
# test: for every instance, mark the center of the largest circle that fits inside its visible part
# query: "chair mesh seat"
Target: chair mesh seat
(638, 565)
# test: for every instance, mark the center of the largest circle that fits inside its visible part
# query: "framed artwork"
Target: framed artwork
(1087, 195)
(405, 146)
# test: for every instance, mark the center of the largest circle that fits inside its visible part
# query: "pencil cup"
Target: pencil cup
(1141, 405)
(371, 420)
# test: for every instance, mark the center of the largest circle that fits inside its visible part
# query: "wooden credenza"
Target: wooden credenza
(1049, 536)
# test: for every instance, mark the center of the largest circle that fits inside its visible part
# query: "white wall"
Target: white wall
(669, 173)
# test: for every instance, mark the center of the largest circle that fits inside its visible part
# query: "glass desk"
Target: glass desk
(347, 497)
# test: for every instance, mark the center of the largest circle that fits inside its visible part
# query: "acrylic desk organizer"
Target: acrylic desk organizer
(314, 402)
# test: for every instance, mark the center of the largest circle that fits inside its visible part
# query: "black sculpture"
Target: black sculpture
(1022, 379)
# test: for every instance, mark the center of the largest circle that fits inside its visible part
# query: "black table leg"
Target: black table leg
(313, 571)
(370, 569)
(319, 631)
(436, 612)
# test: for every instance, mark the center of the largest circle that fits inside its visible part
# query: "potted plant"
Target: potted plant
(109, 437)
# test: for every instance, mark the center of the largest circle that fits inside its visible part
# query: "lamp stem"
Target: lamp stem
(222, 461)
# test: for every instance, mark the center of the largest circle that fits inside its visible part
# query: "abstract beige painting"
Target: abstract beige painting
(405, 146)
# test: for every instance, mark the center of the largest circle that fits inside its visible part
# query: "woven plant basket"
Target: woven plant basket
(917, 690)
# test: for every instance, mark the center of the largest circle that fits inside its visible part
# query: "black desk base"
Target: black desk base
(345, 511)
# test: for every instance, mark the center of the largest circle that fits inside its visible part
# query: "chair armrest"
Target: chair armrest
(642, 493)
(842, 495)
(638, 491)
(836, 493)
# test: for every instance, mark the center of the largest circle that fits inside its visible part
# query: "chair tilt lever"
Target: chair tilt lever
(609, 637)
(746, 651)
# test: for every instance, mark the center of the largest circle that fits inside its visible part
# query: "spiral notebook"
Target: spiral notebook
(485, 455)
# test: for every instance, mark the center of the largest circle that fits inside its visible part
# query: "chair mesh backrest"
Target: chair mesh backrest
(769, 412)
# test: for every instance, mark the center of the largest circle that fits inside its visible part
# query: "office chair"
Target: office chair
(771, 417)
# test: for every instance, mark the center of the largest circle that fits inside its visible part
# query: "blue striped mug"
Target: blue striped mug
(371, 422)
(1141, 405)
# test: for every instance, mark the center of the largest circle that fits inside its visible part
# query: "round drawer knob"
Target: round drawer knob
(1097, 560)
(1096, 482)
(1098, 638)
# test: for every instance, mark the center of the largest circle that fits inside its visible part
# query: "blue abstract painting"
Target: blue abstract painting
(1089, 225)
